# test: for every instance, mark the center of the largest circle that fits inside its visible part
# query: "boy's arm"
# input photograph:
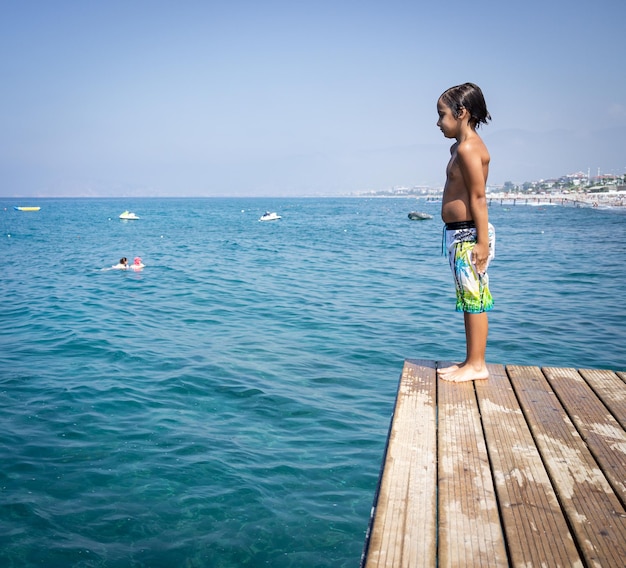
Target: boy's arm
(472, 169)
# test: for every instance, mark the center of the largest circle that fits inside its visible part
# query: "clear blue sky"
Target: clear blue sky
(114, 98)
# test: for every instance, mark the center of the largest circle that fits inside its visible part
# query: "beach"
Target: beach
(578, 199)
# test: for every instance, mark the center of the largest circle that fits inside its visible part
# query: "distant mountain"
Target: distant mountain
(519, 155)
(516, 155)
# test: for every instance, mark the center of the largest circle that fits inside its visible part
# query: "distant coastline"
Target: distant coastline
(579, 199)
(576, 199)
(614, 198)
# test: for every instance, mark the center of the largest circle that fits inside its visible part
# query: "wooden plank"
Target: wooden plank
(470, 533)
(609, 387)
(404, 528)
(596, 517)
(603, 435)
(531, 471)
(530, 512)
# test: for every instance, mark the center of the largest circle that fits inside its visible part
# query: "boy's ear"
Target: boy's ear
(462, 112)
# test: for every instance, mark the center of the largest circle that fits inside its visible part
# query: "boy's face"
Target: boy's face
(447, 123)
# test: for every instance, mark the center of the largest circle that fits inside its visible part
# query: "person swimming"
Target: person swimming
(137, 264)
(122, 265)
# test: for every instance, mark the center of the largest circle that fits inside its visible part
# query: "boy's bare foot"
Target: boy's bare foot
(450, 369)
(465, 373)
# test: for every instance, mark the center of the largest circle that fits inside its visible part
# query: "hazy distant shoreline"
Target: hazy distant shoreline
(612, 199)
(605, 199)
(615, 199)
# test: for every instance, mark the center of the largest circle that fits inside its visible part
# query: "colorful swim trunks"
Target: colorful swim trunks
(472, 289)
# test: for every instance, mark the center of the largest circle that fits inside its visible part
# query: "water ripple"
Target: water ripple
(228, 406)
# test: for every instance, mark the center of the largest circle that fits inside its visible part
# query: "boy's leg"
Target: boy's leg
(470, 287)
(474, 367)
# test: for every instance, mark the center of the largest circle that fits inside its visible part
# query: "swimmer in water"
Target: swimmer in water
(123, 264)
(137, 264)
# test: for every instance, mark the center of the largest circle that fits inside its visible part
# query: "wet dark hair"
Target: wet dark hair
(467, 96)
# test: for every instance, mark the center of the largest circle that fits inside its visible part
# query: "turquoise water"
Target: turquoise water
(228, 405)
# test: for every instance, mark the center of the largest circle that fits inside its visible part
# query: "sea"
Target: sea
(228, 405)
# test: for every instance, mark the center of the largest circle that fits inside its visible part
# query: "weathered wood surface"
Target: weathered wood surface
(525, 469)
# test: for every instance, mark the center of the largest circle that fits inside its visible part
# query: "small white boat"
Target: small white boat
(267, 216)
(419, 216)
(128, 215)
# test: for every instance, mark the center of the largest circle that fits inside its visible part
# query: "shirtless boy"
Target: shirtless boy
(470, 238)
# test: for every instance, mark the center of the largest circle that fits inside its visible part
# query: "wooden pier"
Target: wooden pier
(526, 469)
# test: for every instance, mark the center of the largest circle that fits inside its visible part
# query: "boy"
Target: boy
(470, 239)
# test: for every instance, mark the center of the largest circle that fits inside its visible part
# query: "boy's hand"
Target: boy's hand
(480, 255)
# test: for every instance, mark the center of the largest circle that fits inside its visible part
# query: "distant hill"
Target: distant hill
(519, 155)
